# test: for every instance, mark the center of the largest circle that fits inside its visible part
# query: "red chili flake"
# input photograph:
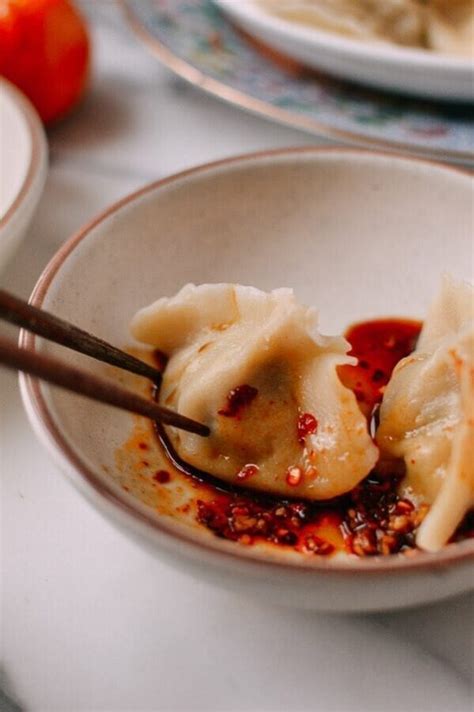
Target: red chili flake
(214, 515)
(364, 542)
(162, 476)
(400, 523)
(404, 506)
(299, 510)
(315, 545)
(215, 40)
(294, 476)
(247, 471)
(388, 543)
(237, 399)
(239, 510)
(378, 521)
(143, 446)
(285, 536)
(307, 425)
(372, 518)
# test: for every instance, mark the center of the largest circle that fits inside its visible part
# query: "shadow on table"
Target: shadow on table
(418, 659)
(7, 703)
(103, 117)
(443, 629)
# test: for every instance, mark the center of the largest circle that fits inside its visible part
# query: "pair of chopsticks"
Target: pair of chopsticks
(16, 311)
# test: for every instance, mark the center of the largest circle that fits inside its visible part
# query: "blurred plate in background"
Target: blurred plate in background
(23, 166)
(196, 40)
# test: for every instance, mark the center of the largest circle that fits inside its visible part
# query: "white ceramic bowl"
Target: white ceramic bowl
(357, 234)
(23, 166)
(413, 71)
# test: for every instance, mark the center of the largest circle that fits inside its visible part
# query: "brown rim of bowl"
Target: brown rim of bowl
(282, 116)
(37, 145)
(451, 554)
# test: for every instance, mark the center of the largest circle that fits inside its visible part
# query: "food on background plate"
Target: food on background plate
(291, 412)
(450, 27)
(427, 415)
(440, 25)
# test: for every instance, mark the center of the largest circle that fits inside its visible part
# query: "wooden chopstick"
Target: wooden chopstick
(19, 312)
(73, 379)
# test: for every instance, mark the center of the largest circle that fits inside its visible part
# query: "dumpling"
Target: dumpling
(427, 415)
(253, 367)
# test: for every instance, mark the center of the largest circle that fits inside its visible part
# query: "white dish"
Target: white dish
(412, 71)
(23, 166)
(358, 234)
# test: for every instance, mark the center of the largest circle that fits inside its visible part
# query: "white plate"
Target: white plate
(413, 71)
(23, 166)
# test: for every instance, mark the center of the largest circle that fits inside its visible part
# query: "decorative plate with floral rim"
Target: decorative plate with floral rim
(196, 41)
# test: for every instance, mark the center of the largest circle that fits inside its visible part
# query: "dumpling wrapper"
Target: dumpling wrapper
(221, 337)
(427, 415)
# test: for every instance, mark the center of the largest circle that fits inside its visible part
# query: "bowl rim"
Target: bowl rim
(38, 148)
(38, 409)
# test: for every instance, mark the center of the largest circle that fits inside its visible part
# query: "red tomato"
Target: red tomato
(45, 51)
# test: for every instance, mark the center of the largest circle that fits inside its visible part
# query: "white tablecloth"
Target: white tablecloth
(89, 621)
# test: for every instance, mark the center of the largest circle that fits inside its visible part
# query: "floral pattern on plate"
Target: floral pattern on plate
(198, 34)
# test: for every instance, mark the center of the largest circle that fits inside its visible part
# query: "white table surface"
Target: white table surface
(90, 622)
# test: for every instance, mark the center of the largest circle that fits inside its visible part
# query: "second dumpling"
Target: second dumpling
(253, 367)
